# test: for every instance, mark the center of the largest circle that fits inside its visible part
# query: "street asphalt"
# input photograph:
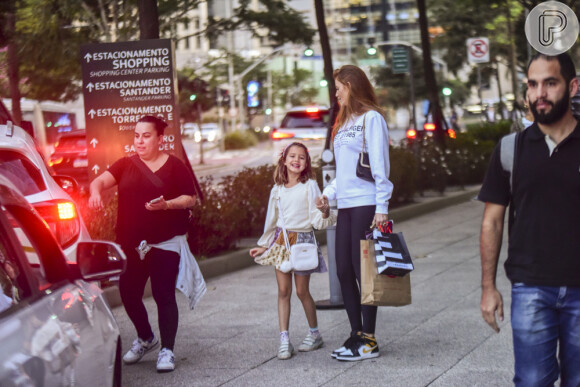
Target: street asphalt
(231, 338)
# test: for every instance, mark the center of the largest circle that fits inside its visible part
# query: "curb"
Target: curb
(241, 259)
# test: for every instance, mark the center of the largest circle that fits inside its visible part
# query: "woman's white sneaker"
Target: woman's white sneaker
(165, 361)
(139, 348)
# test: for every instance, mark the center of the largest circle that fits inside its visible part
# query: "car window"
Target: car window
(21, 172)
(13, 283)
(304, 120)
(4, 115)
(10, 290)
(30, 250)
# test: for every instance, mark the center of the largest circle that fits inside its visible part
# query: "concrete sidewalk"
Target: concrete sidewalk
(231, 338)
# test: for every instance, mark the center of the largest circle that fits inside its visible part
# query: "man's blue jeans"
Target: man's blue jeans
(543, 317)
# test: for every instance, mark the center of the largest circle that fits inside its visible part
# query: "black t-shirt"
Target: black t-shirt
(134, 222)
(544, 239)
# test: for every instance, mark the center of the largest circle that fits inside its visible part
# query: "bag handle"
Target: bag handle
(286, 239)
(153, 178)
(363, 130)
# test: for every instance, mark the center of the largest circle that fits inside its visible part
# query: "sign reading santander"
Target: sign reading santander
(123, 82)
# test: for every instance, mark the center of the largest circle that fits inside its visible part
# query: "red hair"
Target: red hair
(361, 95)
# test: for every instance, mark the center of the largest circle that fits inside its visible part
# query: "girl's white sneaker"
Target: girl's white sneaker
(310, 343)
(285, 351)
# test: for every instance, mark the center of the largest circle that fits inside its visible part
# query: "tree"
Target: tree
(275, 20)
(49, 34)
(396, 86)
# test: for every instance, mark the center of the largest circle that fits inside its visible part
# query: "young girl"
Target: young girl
(298, 197)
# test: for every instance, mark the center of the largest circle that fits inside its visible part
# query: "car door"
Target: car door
(52, 330)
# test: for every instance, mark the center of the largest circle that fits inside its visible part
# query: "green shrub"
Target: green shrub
(432, 169)
(100, 223)
(467, 159)
(490, 131)
(403, 175)
(234, 208)
(240, 140)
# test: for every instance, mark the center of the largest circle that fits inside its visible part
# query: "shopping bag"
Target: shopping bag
(378, 289)
(391, 253)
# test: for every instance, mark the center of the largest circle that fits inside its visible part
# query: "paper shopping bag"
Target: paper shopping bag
(378, 289)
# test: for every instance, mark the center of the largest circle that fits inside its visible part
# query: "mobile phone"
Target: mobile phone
(156, 200)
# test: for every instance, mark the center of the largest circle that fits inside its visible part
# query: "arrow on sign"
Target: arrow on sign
(90, 86)
(95, 169)
(88, 57)
(94, 142)
(92, 113)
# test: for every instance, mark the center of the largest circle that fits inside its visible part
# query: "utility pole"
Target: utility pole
(148, 19)
(329, 170)
(430, 81)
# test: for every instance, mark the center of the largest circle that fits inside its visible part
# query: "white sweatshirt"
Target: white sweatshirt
(348, 189)
(299, 209)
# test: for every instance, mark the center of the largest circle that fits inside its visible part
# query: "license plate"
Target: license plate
(81, 163)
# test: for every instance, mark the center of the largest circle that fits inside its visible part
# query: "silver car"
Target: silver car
(55, 327)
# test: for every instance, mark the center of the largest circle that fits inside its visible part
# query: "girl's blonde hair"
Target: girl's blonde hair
(361, 97)
(281, 172)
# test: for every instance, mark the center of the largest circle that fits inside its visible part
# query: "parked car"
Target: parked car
(189, 129)
(21, 163)
(307, 124)
(428, 130)
(209, 132)
(70, 157)
(55, 328)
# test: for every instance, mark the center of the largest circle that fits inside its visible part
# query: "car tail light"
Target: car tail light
(312, 110)
(62, 218)
(55, 160)
(280, 135)
(429, 126)
(451, 133)
(411, 134)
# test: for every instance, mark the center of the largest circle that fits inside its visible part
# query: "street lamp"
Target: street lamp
(308, 51)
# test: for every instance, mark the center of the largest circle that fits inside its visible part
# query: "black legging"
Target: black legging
(352, 223)
(162, 266)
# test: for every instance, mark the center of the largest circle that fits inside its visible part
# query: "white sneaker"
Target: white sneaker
(165, 361)
(139, 348)
(310, 343)
(285, 351)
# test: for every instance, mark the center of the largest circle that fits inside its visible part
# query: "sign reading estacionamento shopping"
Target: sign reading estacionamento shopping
(122, 82)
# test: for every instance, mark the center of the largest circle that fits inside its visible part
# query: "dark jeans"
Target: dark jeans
(352, 223)
(544, 318)
(162, 266)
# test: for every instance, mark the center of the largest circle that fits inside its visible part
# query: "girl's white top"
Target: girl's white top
(298, 205)
(348, 189)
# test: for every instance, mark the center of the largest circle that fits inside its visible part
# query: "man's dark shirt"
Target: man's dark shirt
(544, 240)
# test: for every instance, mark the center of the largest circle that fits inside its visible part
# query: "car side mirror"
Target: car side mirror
(100, 260)
(67, 183)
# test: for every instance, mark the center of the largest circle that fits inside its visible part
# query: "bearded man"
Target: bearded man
(543, 263)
